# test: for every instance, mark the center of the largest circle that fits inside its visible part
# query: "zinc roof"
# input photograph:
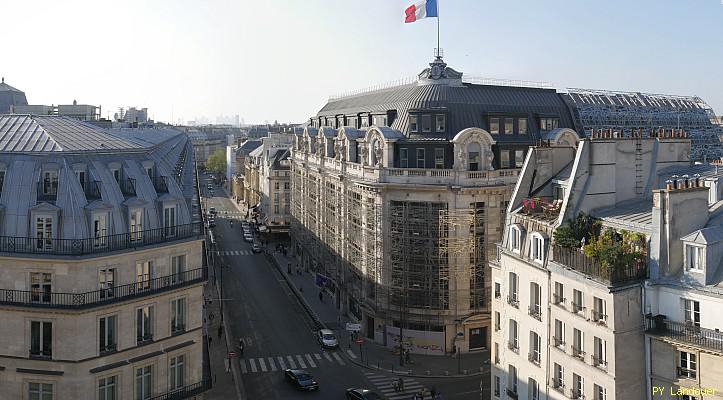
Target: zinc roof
(50, 134)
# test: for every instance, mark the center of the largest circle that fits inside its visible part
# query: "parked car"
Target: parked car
(248, 238)
(256, 248)
(301, 379)
(362, 394)
(209, 186)
(326, 338)
(211, 223)
(212, 211)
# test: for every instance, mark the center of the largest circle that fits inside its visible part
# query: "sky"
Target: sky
(269, 60)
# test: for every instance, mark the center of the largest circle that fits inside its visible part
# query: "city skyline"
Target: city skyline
(216, 52)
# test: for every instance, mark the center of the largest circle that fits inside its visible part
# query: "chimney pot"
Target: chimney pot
(669, 185)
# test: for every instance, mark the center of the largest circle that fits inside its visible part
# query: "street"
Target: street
(278, 333)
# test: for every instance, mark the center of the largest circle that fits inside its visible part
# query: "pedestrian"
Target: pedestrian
(400, 384)
(433, 392)
(241, 346)
(421, 394)
(439, 396)
(321, 296)
(210, 339)
(220, 331)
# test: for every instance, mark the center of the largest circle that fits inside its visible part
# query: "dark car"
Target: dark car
(362, 394)
(301, 379)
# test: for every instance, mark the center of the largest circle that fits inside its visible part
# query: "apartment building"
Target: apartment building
(101, 267)
(267, 182)
(569, 276)
(684, 343)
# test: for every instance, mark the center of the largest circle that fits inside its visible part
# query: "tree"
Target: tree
(217, 162)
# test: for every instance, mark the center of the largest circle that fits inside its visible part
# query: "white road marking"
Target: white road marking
(281, 362)
(243, 366)
(311, 361)
(253, 365)
(326, 355)
(301, 361)
(338, 359)
(318, 357)
(351, 353)
(292, 364)
(262, 363)
(272, 364)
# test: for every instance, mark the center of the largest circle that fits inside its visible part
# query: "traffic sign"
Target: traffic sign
(359, 340)
(231, 354)
(353, 327)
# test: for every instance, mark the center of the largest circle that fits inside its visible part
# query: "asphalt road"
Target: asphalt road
(278, 333)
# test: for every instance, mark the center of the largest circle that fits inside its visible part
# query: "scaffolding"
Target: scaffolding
(632, 113)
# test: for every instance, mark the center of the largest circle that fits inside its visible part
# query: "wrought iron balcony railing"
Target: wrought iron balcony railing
(558, 385)
(686, 373)
(578, 352)
(185, 392)
(44, 353)
(97, 245)
(512, 393)
(25, 298)
(599, 317)
(534, 358)
(535, 312)
(575, 259)
(558, 300)
(599, 361)
(109, 348)
(513, 346)
(558, 342)
(513, 301)
(687, 333)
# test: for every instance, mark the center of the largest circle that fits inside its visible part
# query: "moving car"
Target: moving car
(301, 379)
(326, 338)
(362, 394)
(256, 248)
(209, 186)
(211, 222)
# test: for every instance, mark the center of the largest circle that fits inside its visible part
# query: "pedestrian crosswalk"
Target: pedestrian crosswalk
(386, 385)
(234, 253)
(280, 363)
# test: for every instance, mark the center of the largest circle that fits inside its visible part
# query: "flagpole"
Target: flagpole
(438, 48)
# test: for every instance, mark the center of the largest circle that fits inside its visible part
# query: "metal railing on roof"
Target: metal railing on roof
(99, 244)
(369, 89)
(574, 259)
(479, 80)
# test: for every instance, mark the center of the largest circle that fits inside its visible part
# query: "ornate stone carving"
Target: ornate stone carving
(488, 159)
(462, 156)
(377, 152)
(364, 154)
(337, 149)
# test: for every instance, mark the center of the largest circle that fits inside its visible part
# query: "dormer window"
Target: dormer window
(116, 175)
(426, 123)
(413, 123)
(100, 229)
(136, 224)
(44, 232)
(50, 183)
(169, 220)
(537, 248)
(149, 171)
(441, 124)
(548, 124)
(81, 178)
(515, 239)
(694, 257)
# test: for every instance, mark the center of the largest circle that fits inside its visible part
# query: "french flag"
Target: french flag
(422, 9)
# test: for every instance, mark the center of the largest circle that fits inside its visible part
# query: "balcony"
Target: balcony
(685, 373)
(543, 209)
(534, 358)
(577, 394)
(535, 312)
(512, 393)
(558, 385)
(513, 346)
(599, 317)
(559, 343)
(685, 333)
(513, 301)
(578, 353)
(599, 362)
(574, 259)
(185, 392)
(578, 308)
(108, 349)
(558, 300)
(44, 354)
(109, 243)
(75, 301)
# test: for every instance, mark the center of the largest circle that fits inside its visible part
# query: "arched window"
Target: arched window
(473, 156)
(537, 248)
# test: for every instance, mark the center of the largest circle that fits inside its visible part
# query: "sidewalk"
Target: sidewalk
(372, 355)
(223, 378)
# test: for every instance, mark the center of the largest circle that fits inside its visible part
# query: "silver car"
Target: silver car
(327, 338)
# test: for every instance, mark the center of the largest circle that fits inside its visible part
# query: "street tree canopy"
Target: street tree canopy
(217, 162)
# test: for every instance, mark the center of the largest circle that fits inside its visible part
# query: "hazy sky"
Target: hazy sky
(281, 59)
